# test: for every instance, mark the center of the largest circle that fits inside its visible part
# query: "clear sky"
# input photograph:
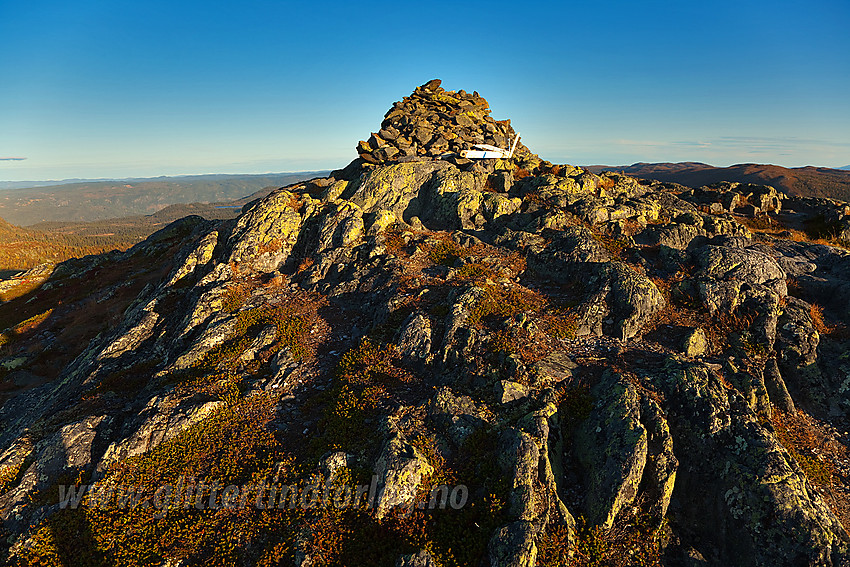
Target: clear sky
(117, 89)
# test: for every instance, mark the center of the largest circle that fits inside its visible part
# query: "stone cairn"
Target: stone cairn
(433, 123)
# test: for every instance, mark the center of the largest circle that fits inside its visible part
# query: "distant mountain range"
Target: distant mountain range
(83, 201)
(56, 241)
(803, 181)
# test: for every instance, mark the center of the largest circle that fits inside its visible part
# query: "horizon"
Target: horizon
(72, 180)
(121, 90)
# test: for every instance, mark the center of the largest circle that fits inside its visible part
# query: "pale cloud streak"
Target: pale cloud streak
(753, 143)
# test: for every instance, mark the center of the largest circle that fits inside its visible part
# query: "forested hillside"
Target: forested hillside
(98, 200)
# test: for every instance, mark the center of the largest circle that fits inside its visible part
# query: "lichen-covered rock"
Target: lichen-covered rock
(724, 297)
(496, 205)
(163, 418)
(420, 559)
(199, 256)
(777, 391)
(520, 457)
(396, 188)
(740, 265)
(797, 350)
(415, 338)
(695, 343)
(513, 546)
(573, 249)
(342, 226)
(508, 391)
(538, 363)
(400, 470)
(141, 326)
(266, 338)
(659, 475)
(455, 200)
(457, 337)
(217, 331)
(555, 367)
(611, 446)
(634, 298)
(457, 416)
(737, 490)
(266, 234)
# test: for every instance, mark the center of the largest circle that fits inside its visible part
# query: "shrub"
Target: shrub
(635, 541)
(394, 241)
(446, 252)
(475, 271)
(816, 313)
(502, 301)
(231, 445)
(365, 375)
(560, 323)
(796, 441)
(234, 297)
(29, 324)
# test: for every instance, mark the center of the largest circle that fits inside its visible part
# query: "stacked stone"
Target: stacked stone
(433, 123)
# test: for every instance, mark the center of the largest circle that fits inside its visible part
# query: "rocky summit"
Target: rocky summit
(426, 360)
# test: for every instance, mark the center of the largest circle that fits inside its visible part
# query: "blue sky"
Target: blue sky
(109, 89)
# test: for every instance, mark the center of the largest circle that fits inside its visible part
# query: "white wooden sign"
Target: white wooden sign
(486, 151)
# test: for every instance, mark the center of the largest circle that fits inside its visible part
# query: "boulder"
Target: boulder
(695, 343)
(513, 546)
(611, 447)
(395, 188)
(457, 416)
(740, 265)
(264, 237)
(738, 492)
(415, 337)
(508, 391)
(400, 470)
(634, 299)
(420, 559)
(797, 352)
